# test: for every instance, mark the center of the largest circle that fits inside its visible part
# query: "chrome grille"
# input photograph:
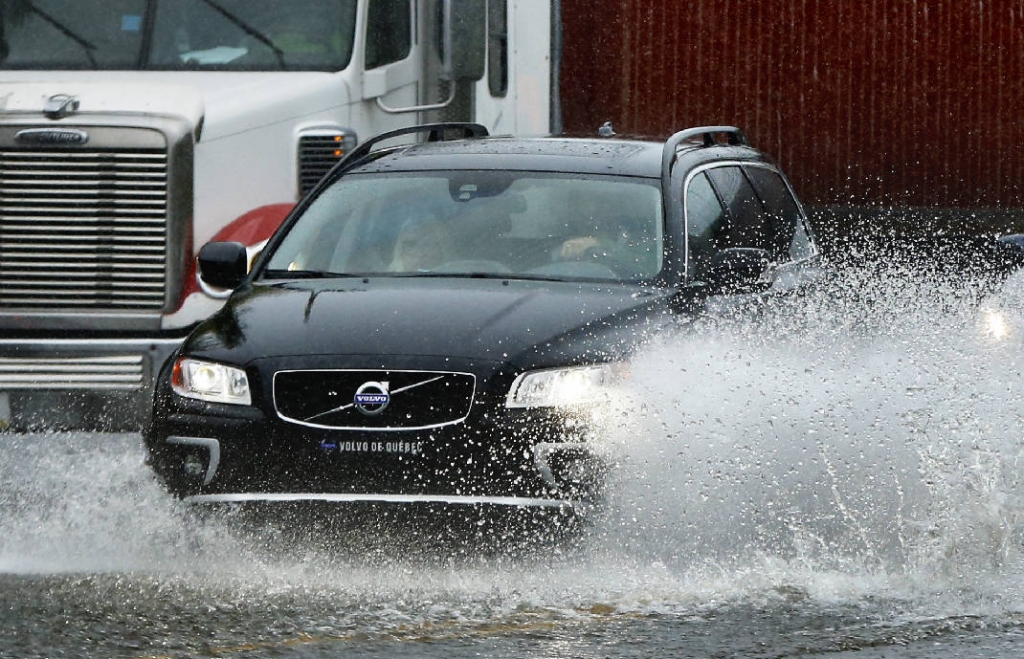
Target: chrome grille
(318, 153)
(83, 229)
(107, 372)
(415, 399)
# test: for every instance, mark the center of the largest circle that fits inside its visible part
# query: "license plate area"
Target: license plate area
(388, 446)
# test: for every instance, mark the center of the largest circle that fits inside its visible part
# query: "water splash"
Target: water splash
(81, 502)
(870, 429)
(861, 441)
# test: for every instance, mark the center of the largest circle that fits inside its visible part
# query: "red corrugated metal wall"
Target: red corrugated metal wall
(897, 102)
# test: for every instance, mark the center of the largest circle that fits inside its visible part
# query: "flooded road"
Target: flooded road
(840, 478)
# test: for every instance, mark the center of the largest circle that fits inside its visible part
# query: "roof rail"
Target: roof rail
(735, 137)
(435, 133)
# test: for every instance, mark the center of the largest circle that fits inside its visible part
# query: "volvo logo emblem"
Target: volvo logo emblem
(372, 398)
(51, 137)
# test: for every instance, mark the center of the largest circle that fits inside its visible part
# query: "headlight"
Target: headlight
(994, 324)
(559, 387)
(215, 383)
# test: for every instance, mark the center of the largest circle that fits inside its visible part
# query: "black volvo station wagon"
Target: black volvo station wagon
(434, 322)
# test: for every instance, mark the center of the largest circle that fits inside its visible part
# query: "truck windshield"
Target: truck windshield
(233, 35)
(501, 224)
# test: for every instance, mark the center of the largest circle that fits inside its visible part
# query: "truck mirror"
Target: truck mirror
(223, 264)
(465, 38)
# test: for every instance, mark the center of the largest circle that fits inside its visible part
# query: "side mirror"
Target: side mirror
(739, 270)
(465, 38)
(223, 264)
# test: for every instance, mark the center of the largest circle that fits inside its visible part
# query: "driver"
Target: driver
(603, 237)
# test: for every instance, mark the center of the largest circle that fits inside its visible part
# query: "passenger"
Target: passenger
(420, 247)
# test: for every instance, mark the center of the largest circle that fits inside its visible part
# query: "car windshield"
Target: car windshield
(478, 223)
(239, 35)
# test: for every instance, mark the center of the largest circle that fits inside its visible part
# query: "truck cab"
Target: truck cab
(133, 132)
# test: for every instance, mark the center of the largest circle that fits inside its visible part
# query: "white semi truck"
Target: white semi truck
(134, 131)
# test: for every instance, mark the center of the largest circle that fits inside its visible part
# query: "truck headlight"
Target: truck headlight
(559, 387)
(209, 381)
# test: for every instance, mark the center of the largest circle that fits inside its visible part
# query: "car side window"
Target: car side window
(782, 208)
(388, 32)
(747, 224)
(704, 216)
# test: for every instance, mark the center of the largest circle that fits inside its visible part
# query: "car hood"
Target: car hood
(526, 323)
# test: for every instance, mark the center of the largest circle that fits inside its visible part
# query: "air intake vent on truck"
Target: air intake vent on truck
(83, 228)
(111, 372)
(319, 150)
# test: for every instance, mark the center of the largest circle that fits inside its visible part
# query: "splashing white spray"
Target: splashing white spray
(870, 428)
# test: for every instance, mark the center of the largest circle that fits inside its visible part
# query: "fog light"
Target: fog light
(201, 459)
(194, 466)
(572, 469)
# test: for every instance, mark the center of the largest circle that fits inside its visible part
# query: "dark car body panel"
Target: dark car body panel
(491, 329)
(350, 346)
(512, 321)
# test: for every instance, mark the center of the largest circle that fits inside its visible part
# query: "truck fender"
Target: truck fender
(252, 229)
(255, 226)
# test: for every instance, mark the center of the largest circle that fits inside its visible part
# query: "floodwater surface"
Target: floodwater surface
(839, 477)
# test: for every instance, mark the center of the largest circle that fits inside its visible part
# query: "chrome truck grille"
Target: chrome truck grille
(124, 372)
(83, 229)
(319, 151)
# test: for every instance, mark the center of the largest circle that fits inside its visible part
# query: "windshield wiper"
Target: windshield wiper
(452, 273)
(508, 276)
(303, 274)
(250, 30)
(66, 31)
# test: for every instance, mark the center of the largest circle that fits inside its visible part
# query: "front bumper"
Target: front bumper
(430, 526)
(88, 384)
(493, 456)
(558, 468)
(207, 458)
(450, 500)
